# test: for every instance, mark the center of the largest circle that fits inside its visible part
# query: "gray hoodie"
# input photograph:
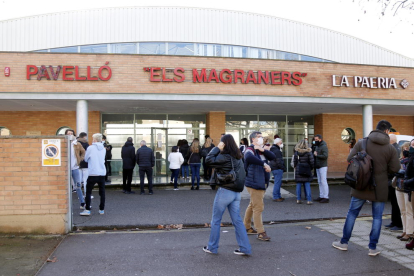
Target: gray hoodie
(95, 157)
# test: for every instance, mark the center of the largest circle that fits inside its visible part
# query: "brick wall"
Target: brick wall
(48, 122)
(128, 76)
(33, 199)
(331, 126)
(216, 125)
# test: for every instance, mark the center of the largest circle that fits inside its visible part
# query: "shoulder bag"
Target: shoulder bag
(225, 178)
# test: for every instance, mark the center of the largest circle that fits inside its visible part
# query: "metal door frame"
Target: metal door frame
(153, 143)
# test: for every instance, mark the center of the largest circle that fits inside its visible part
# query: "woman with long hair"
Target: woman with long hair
(207, 147)
(243, 145)
(194, 160)
(303, 157)
(183, 148)
(226, 158)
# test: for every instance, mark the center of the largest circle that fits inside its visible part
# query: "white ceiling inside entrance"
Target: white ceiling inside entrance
(197, 107)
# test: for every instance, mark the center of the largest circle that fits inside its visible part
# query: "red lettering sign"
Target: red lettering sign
(43, 72)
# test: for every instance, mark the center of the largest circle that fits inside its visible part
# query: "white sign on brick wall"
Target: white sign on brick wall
(51, 154)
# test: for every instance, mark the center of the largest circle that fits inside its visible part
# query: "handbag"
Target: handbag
(304, 169)
(189, 159)
(225, 178)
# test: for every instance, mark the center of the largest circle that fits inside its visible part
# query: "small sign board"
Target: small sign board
(51, 154)
(33, 133)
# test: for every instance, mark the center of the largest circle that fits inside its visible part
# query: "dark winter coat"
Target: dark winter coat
(184, 150)
(108, 148)
(128, 156)
(408, 184)
(278, 163)
(223, 165)
(256, 177)
(385, 160)
(85, 145)
(322, 155)
(303, 156)
(207, 149)
(194, 158)
(145, 157)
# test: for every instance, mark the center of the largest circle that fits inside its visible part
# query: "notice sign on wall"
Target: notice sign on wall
(51, 152)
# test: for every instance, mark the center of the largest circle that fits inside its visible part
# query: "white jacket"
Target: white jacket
(175, 159)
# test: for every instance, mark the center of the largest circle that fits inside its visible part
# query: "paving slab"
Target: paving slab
(293, 250)
(192, 207)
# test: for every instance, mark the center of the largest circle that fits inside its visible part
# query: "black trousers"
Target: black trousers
(395, 210)
(127, 179)
(148, 172)
(90, 183)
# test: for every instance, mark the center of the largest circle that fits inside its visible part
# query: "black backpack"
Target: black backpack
(359, 174)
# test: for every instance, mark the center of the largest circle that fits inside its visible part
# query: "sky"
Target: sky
(358, 18)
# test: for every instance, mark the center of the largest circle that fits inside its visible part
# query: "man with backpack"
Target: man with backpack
(385, 160)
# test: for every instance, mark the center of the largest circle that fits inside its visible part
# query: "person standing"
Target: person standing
(405, 205)
(278, 168)
(146, 160)
(194, 160)
(128, 165)
(77, 155)
(175, 159)
(95, 157)
(207, 147)
(396, 222)
(225, 158)
(108, 158)
(321, 156)
(243, 145)
(409, 188)
(258, 175)
(83, 166)
(385, 160)
(303, 157)
(184, 167)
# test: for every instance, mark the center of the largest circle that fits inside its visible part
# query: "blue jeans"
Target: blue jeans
(184, 171)
(307, 191)
(353, 212)
(195, 173)
(77, 180)
(231, 200)
(174, 176)
(278, 183)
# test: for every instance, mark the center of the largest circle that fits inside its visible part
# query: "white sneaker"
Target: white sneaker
(91, 197)
(176, 189)
(101, 212)
(374, 252)
(85, 213)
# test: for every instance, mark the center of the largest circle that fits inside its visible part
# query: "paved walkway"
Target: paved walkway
(194, 208)
(300, 249)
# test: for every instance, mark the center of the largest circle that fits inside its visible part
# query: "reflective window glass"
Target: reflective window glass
(308, 58)
(42, 51)
(183, 49)
(98, 48)
(152, 48)
(61, 130)
(241, 121)
(300, 121)
(123, 48)
(73, 49)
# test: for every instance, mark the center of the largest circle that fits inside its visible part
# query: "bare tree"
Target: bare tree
(392, 6)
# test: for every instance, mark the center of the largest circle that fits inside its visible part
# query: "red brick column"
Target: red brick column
(216, 125)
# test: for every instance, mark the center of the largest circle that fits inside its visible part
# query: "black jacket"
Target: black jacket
(128, 156)
(85, 145)
(184, 150)
(303, 156)
(145, 157)
(108, 155)
(194, 158)
(278, 163)
(223, 164)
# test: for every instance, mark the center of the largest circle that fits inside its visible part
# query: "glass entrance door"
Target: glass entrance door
(159, 144)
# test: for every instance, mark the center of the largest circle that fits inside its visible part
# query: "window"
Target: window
(181, 49)
(347, 135)
(73, 49)
(61, 130)
(98, 48)
(149, 48)
(123, 48)
(4, 131)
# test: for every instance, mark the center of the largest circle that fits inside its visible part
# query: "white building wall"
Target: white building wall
(176, 24)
